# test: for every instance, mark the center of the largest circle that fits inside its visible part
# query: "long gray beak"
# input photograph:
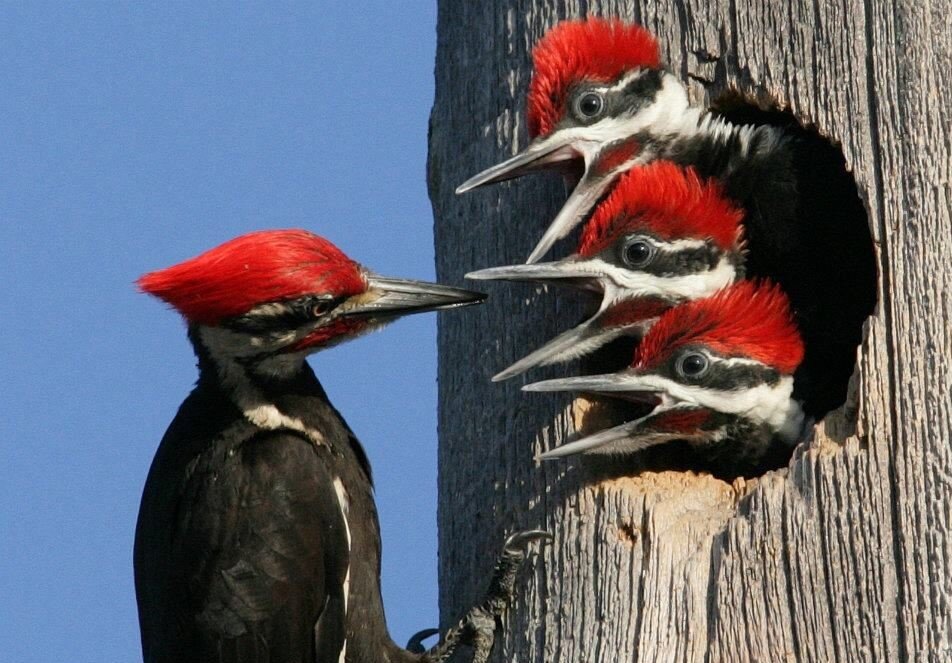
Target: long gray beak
(648, 431)
(542, 153)
(387, 297)
(671, 418)
(623, 381)
(603, 164)
(576, 209)
(577, 342)
(570, 271)
(604, 442)
(621, 318)
(566, 346)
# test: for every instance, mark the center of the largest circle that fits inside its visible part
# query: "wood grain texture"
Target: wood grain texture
(846, 555)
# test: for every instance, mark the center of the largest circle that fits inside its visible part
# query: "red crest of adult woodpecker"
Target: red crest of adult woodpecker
(661, 237)
(270, 294)
(719, 372)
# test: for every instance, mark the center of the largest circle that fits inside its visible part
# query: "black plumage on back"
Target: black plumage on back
(241, 549)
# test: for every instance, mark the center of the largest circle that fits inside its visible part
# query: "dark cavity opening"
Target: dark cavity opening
(833, 295)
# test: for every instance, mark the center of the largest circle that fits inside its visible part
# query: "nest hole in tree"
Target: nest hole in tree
(829, 190)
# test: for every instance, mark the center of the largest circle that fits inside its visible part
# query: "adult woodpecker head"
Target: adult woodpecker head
(661, 237)
(267, 299)
(719, 372)
(597, 91)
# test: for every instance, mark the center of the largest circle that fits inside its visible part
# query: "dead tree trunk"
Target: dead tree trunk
(846, 555)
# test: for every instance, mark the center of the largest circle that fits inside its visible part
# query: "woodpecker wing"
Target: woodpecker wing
(243, 556)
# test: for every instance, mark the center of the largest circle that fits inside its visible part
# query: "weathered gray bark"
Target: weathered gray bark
(844, 556)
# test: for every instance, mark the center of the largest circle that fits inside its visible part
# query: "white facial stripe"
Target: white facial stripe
(625, 80)
(270, 309)
(771, 404)
(668, 115)
(678, 245)
(738, 361)
(622, 284)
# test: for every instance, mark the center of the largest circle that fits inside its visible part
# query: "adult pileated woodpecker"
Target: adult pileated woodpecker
(719, 372)
(599, 95)
(662, 236)
(257, 537)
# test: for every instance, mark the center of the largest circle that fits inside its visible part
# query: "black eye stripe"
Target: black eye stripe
(728, 377)
(632, 97)
(665, 260)
(644, 86)
(725, 376)
(292, 314)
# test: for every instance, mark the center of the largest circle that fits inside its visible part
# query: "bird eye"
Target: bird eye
(693, 365)
(321, 307)
(589, 105)
(637, 253)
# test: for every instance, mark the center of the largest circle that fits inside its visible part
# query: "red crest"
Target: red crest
(252, 269)
(594, 49)
(669, 201)
(747, 319)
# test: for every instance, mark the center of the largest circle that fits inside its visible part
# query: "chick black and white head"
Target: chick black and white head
(663, 236)
(719, 374)
(598, 91)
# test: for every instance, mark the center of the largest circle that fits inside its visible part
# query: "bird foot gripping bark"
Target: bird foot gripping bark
(478, 627)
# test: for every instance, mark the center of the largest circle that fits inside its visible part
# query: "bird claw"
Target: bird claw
(478, 627)
(415, 644)
(518, 540)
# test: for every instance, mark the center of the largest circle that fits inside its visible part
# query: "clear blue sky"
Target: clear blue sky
(133, 137)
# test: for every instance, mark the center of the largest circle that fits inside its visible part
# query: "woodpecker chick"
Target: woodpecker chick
(719, 372)
(257, 537)
(599, 96)
(661, 237)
